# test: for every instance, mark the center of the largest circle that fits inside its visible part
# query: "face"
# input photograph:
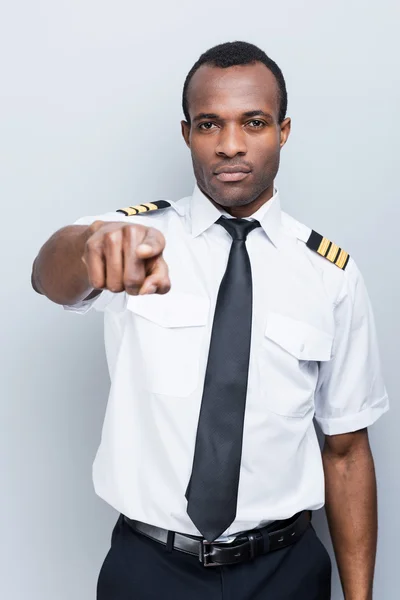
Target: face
(235, 137)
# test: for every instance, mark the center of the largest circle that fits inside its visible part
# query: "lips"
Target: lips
(232, 173)
(234, 176)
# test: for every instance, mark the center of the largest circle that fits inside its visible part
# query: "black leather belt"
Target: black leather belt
(245, 547)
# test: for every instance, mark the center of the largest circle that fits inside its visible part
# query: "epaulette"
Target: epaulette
(328, 250)
(143, 208)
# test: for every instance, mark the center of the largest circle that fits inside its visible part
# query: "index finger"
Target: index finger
(152, 245)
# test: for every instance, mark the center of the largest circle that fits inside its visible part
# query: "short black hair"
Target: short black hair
(232, 54)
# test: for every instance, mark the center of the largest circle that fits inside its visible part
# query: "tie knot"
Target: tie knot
(238, 229)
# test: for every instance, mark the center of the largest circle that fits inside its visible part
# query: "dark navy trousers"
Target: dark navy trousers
(137, 568)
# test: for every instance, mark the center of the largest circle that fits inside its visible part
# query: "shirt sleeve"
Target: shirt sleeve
(99, 303)
(351, 394)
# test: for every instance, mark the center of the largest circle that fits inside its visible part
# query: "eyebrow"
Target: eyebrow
(249, 114)
(201, 116)
(256, 113)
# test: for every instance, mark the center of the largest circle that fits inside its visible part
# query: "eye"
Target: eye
(206, 126)
(256, 124)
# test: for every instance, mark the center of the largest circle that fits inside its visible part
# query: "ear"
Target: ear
(186, 132)
(285, 131)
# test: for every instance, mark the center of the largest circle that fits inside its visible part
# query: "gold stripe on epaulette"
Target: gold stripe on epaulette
(323, 247)
(342, 259)
(328, 250)
(333, 252)
(130, 211)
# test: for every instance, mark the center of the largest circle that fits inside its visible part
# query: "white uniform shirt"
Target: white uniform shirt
(313, 354)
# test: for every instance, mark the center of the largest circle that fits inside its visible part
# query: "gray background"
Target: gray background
(90, 111)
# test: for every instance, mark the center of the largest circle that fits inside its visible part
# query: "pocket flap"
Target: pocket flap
(302, 340)
(174, 309)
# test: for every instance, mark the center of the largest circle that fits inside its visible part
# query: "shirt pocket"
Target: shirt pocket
(169, 330)
(288, 366)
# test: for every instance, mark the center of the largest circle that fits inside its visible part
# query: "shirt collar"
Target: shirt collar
(203, 214)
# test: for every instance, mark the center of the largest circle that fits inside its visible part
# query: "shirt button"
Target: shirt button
(302, 347)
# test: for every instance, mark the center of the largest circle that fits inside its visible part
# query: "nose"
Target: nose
(231, 142)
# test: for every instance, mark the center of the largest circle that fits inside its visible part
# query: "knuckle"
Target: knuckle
(160, 237)
(133, 231)
(92, 246)
(156, 235)
(95, 226)
(112, 238)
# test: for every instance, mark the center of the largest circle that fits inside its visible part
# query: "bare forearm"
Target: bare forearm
(58, 271)
(351, 506)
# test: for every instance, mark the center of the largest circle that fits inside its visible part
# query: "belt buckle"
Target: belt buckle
(205, 554)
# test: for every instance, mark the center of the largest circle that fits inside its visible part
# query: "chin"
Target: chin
(231, 197)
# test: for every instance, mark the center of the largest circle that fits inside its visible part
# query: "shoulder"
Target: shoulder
(144, 209)
(324, 251)
(153, 214)
(336, 266)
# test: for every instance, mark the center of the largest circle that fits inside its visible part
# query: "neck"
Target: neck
(240, 212)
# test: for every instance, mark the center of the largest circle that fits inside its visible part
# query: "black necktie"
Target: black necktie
(213, 487)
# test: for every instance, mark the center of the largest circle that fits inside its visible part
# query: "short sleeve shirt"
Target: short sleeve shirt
(314, 357)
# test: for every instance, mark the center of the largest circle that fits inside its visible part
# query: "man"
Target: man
(229, 327)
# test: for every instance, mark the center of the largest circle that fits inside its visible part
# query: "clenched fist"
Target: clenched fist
(126, 257)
